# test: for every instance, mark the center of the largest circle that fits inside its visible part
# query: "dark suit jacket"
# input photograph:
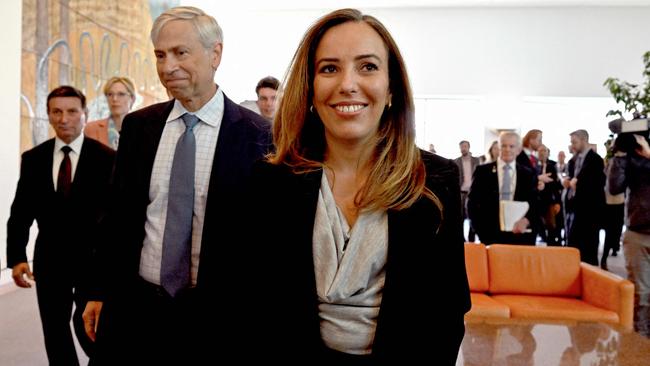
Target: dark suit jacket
(553, 190)
(425, 253)
(244, 137)
(588, 201)
(217, 301)
(524, 160)
(66, 230)
(483, 200)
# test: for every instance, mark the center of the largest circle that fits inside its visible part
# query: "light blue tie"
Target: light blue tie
(175, 272)
(505, 183)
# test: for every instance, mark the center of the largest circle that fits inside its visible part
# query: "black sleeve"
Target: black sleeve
(22, 214)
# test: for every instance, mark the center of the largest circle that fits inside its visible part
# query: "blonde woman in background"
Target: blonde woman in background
(491, 154)
(120, 95)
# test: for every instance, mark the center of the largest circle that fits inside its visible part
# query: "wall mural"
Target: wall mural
(83, 43)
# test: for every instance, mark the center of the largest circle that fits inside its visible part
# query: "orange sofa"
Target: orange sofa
(543, 284)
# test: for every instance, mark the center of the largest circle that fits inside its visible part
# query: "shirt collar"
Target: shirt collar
(75, 145)
(211, 113)
(501, 163)
(584, 153)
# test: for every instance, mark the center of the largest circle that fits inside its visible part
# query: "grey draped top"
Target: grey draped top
(350, 273)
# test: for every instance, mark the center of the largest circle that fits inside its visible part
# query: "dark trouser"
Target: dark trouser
(560, 223)
(613, 225)
(637, 262)
(510, 238)
(506, 237)
(471, 235)
(583, 234)
(55, 300)
(148, 327)
(332, 357)
(550, 231)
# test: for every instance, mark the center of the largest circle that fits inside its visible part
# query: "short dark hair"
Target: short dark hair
(267, 82)
(66, 91)
(581, 134)
(464, 142)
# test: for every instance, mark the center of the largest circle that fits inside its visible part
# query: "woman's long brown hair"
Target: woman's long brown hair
(397, 175)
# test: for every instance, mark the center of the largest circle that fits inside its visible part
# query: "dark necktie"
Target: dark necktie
(533, 161)
(175, 272)
(64, 180)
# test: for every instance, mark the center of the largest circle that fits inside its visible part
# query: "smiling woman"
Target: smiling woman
(351, 83)
(360, 210)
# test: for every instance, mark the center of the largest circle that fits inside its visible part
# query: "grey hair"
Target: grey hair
(581, 134)
(206, 26)
(508, 134)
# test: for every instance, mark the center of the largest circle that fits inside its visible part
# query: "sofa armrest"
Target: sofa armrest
(608, 291)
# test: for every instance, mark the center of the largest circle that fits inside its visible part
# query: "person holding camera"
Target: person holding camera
(631, 171)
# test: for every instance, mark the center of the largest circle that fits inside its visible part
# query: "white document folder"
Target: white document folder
(511, 212)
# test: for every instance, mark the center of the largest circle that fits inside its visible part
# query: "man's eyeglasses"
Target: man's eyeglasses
(119, 95)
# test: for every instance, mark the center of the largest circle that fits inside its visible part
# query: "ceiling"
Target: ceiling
(332, 4)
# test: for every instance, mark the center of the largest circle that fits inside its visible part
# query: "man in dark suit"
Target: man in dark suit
(549, 197)
(488, 189)
(151, 312)
(466, 165)
(530, 143)
(585, 201)
(64, 187)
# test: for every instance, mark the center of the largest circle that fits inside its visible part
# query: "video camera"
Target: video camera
(625, 131)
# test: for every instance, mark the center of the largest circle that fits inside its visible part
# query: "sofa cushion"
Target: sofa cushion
(555, 308)
(476, 265)
(529, 270)
(484, 306)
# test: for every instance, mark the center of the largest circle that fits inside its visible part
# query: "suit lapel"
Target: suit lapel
(79, 175)
(585, 163)
(225, 154)
(521, 175)
(152, 129)
(493, 179)
(47, 160)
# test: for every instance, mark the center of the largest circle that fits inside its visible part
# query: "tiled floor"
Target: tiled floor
(582, 344)
(21, 338)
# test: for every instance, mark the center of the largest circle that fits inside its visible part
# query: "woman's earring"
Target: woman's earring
(390, 104)
(311, 108)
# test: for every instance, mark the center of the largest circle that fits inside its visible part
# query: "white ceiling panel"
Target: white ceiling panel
(334, 4)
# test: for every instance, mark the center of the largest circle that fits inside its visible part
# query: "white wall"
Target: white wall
(498, 58)
(520, 51)
(554, 51)
(10, 43)
(514, 63)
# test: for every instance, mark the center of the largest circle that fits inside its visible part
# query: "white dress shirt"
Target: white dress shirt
(206, 133)
(467, 173)
(58, 155)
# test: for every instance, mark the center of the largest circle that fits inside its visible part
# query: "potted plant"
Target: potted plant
(635, 98)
